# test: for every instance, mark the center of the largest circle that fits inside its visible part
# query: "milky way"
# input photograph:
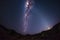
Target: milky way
(28, 6)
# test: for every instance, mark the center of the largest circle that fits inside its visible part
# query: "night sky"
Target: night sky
(43, 15)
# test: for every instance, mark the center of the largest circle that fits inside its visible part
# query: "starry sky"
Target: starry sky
(43, 15)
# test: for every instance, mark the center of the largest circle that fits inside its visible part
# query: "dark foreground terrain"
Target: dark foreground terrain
(53, 34)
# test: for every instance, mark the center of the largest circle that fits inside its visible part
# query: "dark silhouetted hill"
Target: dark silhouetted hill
(52, 34)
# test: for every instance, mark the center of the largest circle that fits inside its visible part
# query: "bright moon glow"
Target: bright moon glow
(48, 28)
